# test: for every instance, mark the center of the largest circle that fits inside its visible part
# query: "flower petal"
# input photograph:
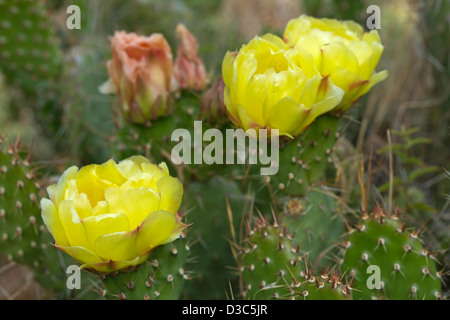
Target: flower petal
(137, 204)
(110, 266)
(286, 116)
(131, 166)
(109, 171)
(122, 246)
(81, 254)
(93, 186)
(158, 228)
(227, 67)
(53, 223)
(57, 191)
(171, 193)
(82, 205)
(104, 224)
(73, 225)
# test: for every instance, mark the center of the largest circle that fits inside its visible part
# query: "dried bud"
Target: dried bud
(212, 106)
(189, 70)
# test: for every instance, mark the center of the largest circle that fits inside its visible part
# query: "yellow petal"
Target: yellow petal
(231, 109)
(312, 45)
(120, 246)
(138, 181)
(131, 166)
(73, 225)
(286, 116)
(57, 191)
(109, 171)
(157, 229)
(102, 207)
(302, 60)
(81, 254)
(246, 66)
(227, 67)
(137, 204)
(309, 92)
(105, 224)
(337, 55)
(91, 185)
(276, 41)
(369, 64)
(376, 78)
(246, 122)
(158, 172)
(111, 266)
(348, 81)
(171, 193)
(255, 98)
(123, 246)
(321, 107)
(53, 223)
(164, 168)
(82, 205)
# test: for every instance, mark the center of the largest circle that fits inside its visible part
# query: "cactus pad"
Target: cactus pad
(161, 277)
(407, 268)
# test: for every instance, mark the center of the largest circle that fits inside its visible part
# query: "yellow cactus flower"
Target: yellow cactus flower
(268, 87)
(109, 217)
(340, 50)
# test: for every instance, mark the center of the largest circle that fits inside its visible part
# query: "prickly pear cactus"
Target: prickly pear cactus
(305, 159)
(29, 52)
(23, 237)
(210, 214)
(318, 224)
(161, 277)
(408, 269)
(19, 207)
(268, 261)
(273, 267)
(31, 59)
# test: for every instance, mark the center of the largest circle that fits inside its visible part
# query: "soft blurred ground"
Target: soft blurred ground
(17, 282)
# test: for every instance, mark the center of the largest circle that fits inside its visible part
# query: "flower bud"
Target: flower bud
(140, 73)
(212, 106)
(189, 70)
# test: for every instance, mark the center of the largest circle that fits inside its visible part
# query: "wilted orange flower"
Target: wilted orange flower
(140, 73)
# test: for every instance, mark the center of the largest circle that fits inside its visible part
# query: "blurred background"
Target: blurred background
(75, 123)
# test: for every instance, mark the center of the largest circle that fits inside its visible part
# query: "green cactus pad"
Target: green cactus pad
(23, 235)
(29, 51)
(268, 262)
(304, 160)
(161, 277)
(273, 267)
(317, 223)
(211, 235)
(407, 268)
(153, 140)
